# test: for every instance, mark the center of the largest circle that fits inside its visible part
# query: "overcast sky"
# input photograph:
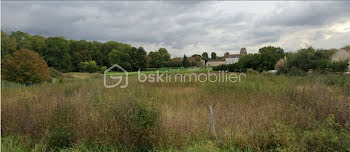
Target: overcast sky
(187, 27)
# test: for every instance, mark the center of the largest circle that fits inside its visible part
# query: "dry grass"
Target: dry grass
(262, 113)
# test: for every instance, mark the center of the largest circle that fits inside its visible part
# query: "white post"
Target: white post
(211, 122)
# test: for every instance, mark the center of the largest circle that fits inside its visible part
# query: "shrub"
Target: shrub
(330, 136)
(338, 66)
(89, 66)
(295, 72)
(103, 69)
(61, 134)
(140, 121)
(26, 67)
(222, 67)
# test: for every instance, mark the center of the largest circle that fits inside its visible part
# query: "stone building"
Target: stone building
(228, 58)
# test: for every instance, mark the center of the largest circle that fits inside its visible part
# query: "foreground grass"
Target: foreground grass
(262, 113)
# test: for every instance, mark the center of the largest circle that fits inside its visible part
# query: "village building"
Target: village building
(228, 58)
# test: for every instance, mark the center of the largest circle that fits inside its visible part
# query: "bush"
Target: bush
(330, 136)
(26, 67)
(89, 66)
(222, 67)
(338, 66)
(295, 72)
(103, 69)
(310, 59)
(140, 121)
(61, 135)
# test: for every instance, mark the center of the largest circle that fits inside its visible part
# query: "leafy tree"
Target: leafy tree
(269, 56)
(121, 58)
(197, 60)
(249, 61)
(79, 52)
(205, 57)
(159, 59)
(175, 63)
(165, 56)
(185, 61)
(26, 67)
(88, 66)
(8, 45)
(107, 48)
(155, 60)
(95, 52)
(23, 40)
(303, 60)
(213, 56)
(57, 54)
(39, 44)
(138, 58)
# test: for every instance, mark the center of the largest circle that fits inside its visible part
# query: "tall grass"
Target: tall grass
(262, 113)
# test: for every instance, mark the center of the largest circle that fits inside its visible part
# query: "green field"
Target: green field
(263, 112)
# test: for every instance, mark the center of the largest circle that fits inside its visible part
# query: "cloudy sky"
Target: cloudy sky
(187, 27)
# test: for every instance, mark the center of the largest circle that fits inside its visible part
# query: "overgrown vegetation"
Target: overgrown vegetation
(292, 63)
(263, 112)
(263, 61)
(310, 59)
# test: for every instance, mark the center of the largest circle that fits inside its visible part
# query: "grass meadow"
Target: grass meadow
(263, 112)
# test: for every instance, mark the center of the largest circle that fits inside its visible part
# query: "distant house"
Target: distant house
(342, 55)
(227, 59)
(215, 62)
(233, 58)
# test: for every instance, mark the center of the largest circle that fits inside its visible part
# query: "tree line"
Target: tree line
(90, 56)
(291, 63)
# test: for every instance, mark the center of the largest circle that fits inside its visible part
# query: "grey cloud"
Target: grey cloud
(176, 25)
(308, 14)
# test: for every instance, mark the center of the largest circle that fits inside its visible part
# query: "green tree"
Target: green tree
(197, 60)
(121, 58)
(88, 66)
(79, 52)
(138, 58)
(8, 45)
(213, 56)
(95, 52)
(269, 56)
(205, 57)
(112, 45)
(185, 61)
(160, 58)
(57, 54)
(39, 44)
(165, 56)
(26, 67)
(23, 40)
